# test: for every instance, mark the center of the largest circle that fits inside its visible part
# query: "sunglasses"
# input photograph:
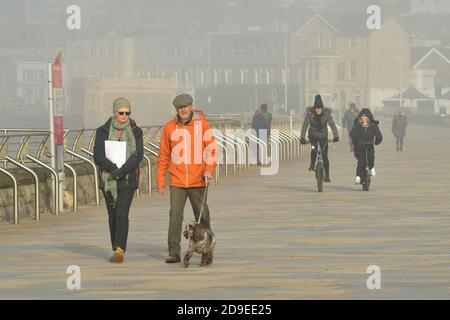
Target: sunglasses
(122, 113)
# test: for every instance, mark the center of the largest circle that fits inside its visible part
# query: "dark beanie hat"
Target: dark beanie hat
(318, 103)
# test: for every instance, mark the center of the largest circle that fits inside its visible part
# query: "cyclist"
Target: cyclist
(365, 133)
(316, 123)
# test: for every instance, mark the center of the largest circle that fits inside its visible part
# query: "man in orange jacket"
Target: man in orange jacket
(188, 151)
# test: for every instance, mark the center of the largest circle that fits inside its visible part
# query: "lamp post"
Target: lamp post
(401, 58)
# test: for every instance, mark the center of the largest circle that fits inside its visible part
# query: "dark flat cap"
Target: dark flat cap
(182, 100)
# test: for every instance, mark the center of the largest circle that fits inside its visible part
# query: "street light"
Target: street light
(287, 4)
(401, 57)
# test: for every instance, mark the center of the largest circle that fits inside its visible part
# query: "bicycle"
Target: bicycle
(319, 168)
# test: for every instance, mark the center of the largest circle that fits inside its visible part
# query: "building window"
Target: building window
(257, 50)
(219, 51)
(319, 41)
(341, 71)
(312, 70)
(275, 51)
(187, 75)
(258, 76)
(327, 99)
(164, 53)
(226, 51)
(352, 42)
(274, 95)
(187, 52)
(327, 71)
(203, 52)
(333, 42)
(228, 76)
(352, 70)
(269, 76)
(244, 76)
(202, 77)
(216, 77)
(243, 50)
(235, 50)
(357, 97)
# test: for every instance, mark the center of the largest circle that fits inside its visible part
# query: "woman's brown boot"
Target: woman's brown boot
(118, 256)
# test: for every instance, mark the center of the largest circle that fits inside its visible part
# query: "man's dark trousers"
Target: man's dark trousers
(178, 197)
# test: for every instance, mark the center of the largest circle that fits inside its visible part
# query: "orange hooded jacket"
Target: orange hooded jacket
(187, 151)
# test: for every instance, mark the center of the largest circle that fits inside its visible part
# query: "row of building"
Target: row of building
(235, 69)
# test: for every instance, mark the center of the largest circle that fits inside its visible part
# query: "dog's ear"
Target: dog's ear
(199, 233)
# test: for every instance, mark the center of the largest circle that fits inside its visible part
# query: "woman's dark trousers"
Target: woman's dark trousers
(118, 216)
(360, 153)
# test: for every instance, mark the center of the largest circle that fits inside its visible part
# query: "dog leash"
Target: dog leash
(204, 200)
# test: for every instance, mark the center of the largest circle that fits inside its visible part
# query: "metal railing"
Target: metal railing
(27, 149)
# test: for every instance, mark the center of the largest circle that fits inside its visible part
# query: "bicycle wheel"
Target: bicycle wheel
(319, 176)
(366, 184)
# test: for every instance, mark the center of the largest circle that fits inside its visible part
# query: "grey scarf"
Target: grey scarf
(128, 136)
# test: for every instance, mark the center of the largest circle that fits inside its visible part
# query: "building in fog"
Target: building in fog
(344, 62)
(430, 75)
(331, 63)
(252, 66)
(319, 5)
(151, 99)
(389, 62)
(431, 6)
(105, 58)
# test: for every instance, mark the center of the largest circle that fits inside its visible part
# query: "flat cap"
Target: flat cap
(182, 100)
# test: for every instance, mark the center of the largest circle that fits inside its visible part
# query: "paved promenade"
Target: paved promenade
(277, 238)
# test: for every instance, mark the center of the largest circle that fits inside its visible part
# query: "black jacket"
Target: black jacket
(317, 124)
(262, 120)
(131, 166)
(399, 125)
(366, 135)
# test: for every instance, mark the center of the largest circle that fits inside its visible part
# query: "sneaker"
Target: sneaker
(173, 259)
(358, 180)
(373, 172)
(327, 179)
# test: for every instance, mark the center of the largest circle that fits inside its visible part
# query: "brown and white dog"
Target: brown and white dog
(201, 240)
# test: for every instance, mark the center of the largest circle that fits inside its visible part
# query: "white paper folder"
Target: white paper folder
(116, 152)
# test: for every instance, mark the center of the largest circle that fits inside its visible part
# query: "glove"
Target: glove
(336, 139)
(303, 141)
(116, 173)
